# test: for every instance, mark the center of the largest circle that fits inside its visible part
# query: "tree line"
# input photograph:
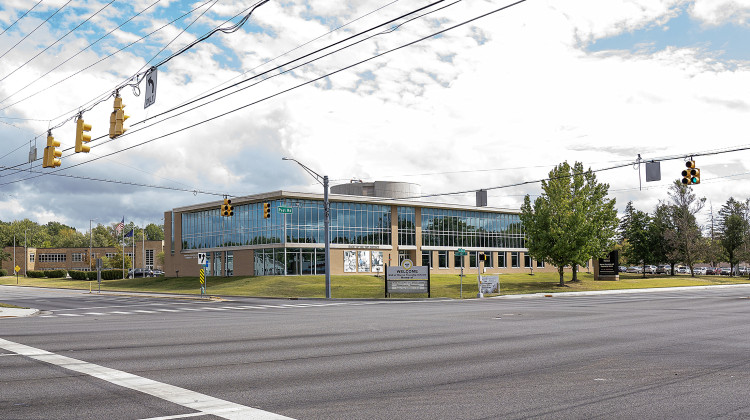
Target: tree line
(672, 234)
(58, 235)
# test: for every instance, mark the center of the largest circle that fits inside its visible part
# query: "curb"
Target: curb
(18, 312)
(622, 291)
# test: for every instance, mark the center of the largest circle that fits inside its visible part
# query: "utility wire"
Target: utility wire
(40, 25)
(58, 40)
(95, 63)
(22, 16)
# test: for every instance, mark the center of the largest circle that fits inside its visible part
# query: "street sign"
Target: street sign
(201, 258)
(285, 210)
(17, 269)
(150, 88)
(202, 277)
(460, 252)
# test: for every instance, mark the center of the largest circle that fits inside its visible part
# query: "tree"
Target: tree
(154, 232)
(733, 229)
(685, 236)
(635, 228)
(572, 221)
(661, 250)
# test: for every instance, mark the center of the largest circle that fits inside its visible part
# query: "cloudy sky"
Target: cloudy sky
(493, 102)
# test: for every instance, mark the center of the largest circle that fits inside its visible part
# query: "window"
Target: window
(230, 263)
(514, 259)
(402, 255)
(458, 228)
(458, 261)
(427, 259)
(77, 257)
(52, 258)
(109, 254)
(473, 260)
(539, 264)
(490, 259)
(501, 260)
(31, 257)
(406, 226)
(149, 258)
(527, 260)
(442, 259)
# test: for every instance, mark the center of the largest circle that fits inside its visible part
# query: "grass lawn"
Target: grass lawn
(365, 286)
(6, 305)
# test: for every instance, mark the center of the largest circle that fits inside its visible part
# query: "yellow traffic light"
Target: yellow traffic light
(691, 175)
(51, 153)
(266, 210)
(82, 138)
(226, 208)
(117, 119)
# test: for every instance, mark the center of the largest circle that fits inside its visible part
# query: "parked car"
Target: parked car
(623, 269)
(711, 270)
(683, 270)
(663, 269)
(635, 269)
(157, 272)
(651, 269)
(725, 271)
(700, 271)
(140, 272)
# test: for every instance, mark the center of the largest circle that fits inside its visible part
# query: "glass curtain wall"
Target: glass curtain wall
(407, 226)
(461, 228)
(351, 223)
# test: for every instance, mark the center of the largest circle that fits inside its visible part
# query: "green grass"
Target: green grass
(361, 286)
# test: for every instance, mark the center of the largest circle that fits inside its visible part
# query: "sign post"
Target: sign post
(202, 278)
(17, 270)
(99, 273)
(460, 253)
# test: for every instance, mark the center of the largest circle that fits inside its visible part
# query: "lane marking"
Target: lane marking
(70, 315)
(176, 416)
(94, 313)
(184, 397)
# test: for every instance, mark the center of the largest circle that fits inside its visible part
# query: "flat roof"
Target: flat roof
(280, 194)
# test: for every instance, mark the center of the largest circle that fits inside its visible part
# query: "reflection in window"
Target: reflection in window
(459, 228)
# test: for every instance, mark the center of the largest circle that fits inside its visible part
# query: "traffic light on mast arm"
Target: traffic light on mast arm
(226, 208)
(51, 154)
(691, 175)
(117, 119)
(82, 138)
(266, 210)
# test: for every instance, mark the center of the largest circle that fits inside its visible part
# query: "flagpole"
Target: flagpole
(123, 248)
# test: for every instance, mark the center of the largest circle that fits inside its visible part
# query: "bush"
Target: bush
(54, 274)
(112, 274)
(35, 274)
(90, 275)
(77, 275)
(3, 272)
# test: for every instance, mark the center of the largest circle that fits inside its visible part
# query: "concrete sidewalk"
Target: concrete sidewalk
(17, 312)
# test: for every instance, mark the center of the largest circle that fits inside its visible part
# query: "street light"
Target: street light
(323, 180)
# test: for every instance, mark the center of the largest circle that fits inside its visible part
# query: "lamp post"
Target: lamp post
(91, 243)
(323, 180)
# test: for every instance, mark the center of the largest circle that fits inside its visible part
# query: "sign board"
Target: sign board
(202, 276)
(17, 269)
(489, 284)
(99, 263)
(609, 266)
(150, 88)
(414, 279)
(201, 258)
(284, 210)
(460, 252)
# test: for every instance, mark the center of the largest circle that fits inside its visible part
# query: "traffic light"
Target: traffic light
(82, 138)
(226, 208)
(691, 175)
(51, 155)
(117, 119)
(266, 210)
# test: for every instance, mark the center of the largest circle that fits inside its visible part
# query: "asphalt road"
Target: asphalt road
(676, 354)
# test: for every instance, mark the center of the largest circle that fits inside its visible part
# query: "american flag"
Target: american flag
(119, 226)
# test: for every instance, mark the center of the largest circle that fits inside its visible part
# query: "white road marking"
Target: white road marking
(70, 315)
(168, 310)
(121, 312)
(144, 312)
(94, 313)
(177, 416)
(184, 397)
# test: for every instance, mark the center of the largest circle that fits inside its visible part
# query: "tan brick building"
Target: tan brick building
(39, 259)
(366, 232)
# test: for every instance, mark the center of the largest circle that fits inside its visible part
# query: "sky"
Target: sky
(447, 95)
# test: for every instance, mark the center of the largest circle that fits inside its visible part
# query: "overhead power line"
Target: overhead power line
(40, 25)
(58, 40)
(22, 16)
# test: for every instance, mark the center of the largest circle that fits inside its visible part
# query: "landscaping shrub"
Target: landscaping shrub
(3, 272)
(77, 275)
(111, 274)
(35, 274)
(54, 274)
(90, 275)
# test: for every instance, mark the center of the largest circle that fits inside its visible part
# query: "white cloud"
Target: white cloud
(719, 12)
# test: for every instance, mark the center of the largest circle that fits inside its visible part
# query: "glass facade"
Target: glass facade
(459, 228)
(289, 261)
(351, 223)
(407, 226)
